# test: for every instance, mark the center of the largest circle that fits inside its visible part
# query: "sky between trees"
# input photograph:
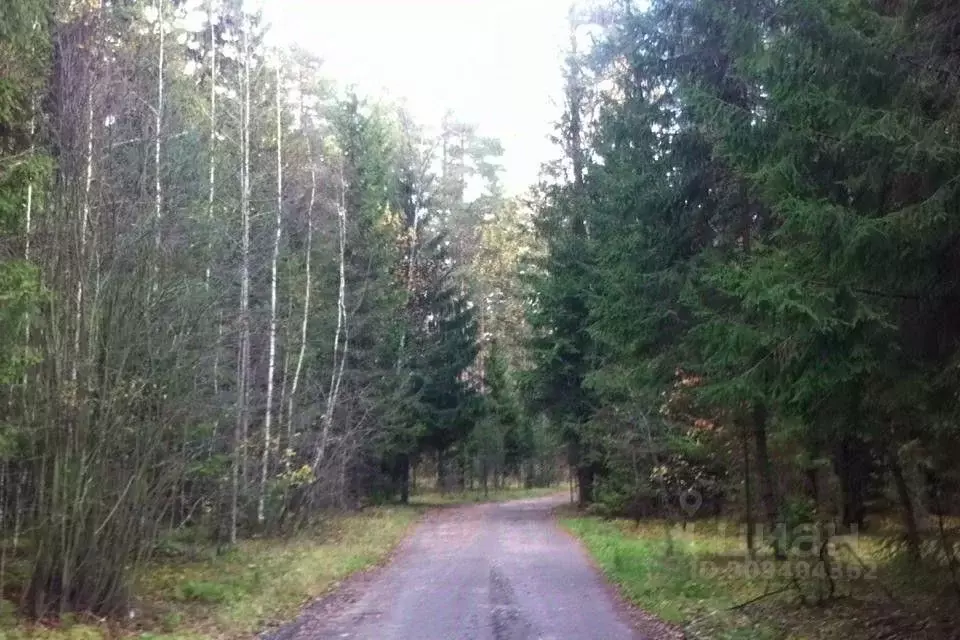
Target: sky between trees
(496, 63)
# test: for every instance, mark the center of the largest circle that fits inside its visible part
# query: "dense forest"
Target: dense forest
(749, 300)
(233, 294)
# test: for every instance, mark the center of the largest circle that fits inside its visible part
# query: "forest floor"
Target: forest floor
(190, 592)
(702, 580)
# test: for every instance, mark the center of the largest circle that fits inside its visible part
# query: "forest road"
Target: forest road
(482, 572)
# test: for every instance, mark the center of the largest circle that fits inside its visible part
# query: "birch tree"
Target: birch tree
(158, 141)
(212, 164)
(271, 362)
(307, 290)
(243, 373)
(212, 19)
(341, 335)
(82, 239)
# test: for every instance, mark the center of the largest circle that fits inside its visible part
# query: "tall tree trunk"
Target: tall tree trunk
(272, 357)
(28, 233)
(82, 253)
(851, 469)
(216, 355)
(584, 470)
(243, 412)
(484, 474)
(307, 288)
(284, 384)
(404, 473)
(748, 493)
(211, 198)
(908, 509)
(28, 206)
(158, 133)
(768, 495)
(585, 481)
(441, 471)
(212, 167)
(338, 352)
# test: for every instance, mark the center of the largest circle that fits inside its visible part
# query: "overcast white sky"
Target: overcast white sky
(496, 63)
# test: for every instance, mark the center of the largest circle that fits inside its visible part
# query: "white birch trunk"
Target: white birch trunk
(216, 355)
(213, 144)
(28, 224)
(243, 416)
(211, 196)
(307, 287)
(28, 220)
(211, 199)
(82, 253)
(157, 189)
(284, 387)
(339, 355)
(272, 357)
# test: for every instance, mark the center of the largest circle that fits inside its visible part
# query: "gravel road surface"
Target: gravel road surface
(482, 572)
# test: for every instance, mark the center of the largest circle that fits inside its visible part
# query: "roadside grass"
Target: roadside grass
(658, 575)
(701, 580)
(259, 584)
(433, 498)
(193, 593)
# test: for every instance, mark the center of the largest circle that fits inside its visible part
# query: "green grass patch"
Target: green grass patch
(258, 584)
(266, 582)
(660, 574)
(702, 580)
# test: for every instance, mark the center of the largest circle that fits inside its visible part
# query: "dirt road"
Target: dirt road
(483, 572)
